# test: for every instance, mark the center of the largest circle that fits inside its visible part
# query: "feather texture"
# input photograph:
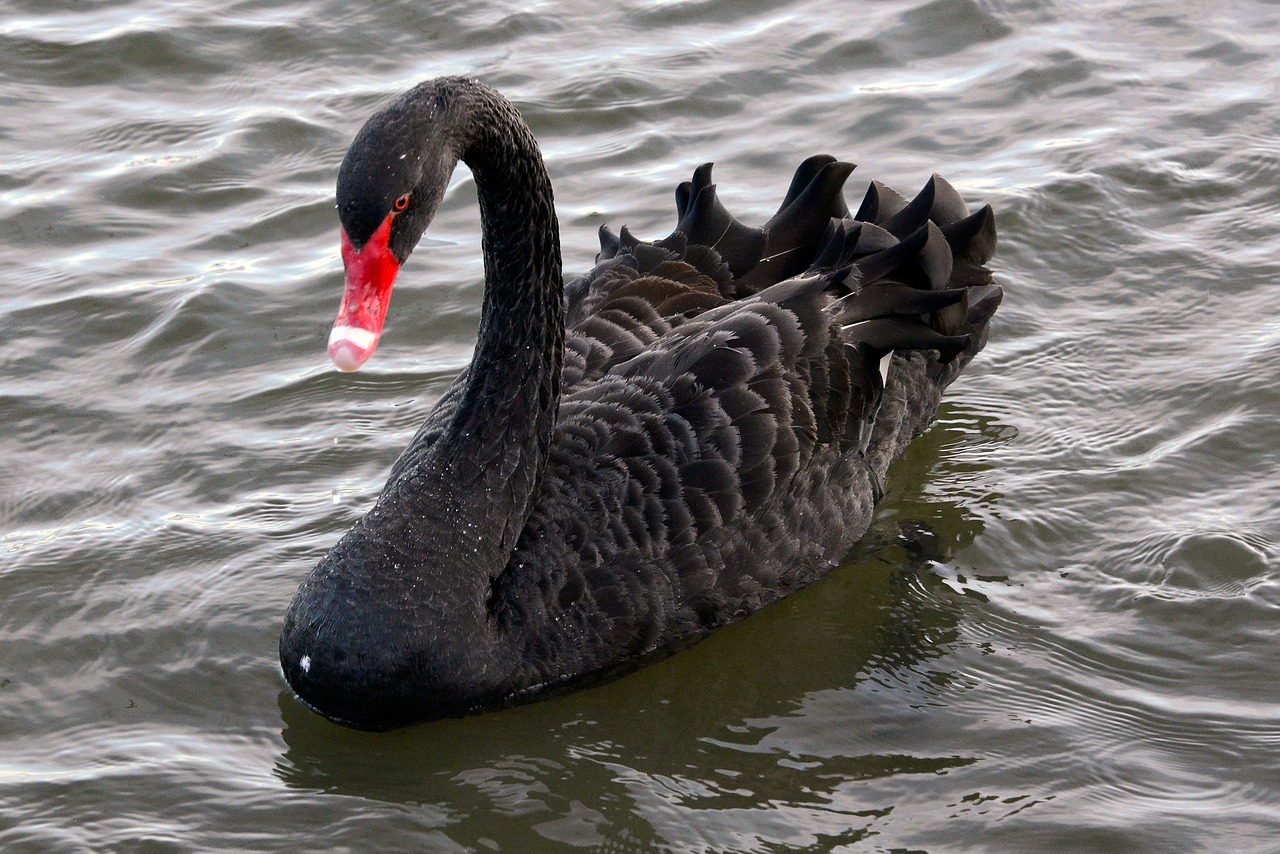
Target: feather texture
(706, 428)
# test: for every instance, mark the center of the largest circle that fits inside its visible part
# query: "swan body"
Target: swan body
(695, 428)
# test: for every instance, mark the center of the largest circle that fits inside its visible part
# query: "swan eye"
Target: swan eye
(401, 203)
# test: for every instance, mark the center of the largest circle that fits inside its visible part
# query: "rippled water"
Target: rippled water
(1059, 634)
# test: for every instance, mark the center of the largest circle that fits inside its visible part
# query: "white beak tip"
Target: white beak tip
(350, 347)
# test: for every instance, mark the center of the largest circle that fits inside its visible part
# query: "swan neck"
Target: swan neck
(506, 414)
(522, 316)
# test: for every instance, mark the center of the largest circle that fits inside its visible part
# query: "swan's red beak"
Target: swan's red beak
(371, 271)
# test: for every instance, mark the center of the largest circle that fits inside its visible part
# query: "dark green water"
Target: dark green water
(1059, 634)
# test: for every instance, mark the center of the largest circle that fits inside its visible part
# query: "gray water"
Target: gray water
(1059, 635)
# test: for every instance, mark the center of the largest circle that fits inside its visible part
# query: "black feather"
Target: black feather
(681, 436)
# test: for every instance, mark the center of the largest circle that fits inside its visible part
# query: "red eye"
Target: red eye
(401, 203)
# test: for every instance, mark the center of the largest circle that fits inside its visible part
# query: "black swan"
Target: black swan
(692, 430)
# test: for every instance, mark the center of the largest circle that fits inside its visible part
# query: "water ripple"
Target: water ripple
(1057, 635)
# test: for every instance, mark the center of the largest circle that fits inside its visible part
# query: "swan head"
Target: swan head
(390, 185)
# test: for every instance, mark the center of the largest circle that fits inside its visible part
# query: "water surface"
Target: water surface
(1058, 635)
